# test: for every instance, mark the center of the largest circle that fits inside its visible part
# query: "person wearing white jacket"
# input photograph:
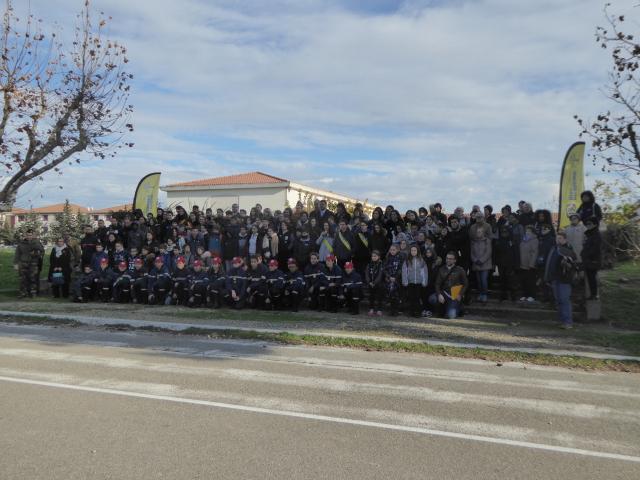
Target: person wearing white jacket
(415, 277)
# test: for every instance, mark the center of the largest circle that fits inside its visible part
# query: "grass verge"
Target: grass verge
(620, 294)
(286, 338)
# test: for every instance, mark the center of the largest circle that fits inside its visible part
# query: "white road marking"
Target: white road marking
(330, 419)
(560, 408)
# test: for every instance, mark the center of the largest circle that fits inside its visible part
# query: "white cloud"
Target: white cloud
(461, 102)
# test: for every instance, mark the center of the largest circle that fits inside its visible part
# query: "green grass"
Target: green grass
(9, 281)
(621, 299)
(286, 338)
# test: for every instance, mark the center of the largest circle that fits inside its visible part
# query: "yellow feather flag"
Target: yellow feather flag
(571, 183)
(146, 197)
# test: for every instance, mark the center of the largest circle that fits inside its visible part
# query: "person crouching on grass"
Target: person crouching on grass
(198, 284)
(451, 284)
(236, 284)
(217, 283)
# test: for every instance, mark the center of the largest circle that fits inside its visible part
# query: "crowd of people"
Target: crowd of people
(421, 263)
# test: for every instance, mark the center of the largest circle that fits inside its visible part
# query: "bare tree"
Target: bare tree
(57, 101)
(614, 133)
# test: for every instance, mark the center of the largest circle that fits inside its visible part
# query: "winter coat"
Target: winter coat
(448, 277)
(591, 250)
(60, 264)
(325, 246)
(575, 238)
(528, 252)
(559, 266)
(414, 272)
(480, 253)
(344, 245)
(373, 274)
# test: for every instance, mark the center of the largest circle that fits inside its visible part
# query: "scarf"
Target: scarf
(59, 250)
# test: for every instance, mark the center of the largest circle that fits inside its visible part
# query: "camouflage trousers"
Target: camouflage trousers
(28, 279)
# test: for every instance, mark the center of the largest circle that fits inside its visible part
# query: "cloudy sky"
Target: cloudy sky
(404, 102)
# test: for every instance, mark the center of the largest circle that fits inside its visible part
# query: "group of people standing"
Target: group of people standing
(420, 262)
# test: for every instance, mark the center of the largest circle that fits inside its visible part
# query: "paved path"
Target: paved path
(81, 403)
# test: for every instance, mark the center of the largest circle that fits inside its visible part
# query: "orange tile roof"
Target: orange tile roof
(51, 209)
(251, 178)
(116, 208)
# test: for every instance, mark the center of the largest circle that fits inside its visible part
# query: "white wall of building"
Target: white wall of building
(273, 198)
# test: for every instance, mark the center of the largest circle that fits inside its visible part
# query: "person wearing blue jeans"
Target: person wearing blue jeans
(559, 270)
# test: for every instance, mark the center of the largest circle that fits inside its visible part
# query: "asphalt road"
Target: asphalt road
(77, 403)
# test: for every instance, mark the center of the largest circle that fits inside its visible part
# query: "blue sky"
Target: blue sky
(403, 102)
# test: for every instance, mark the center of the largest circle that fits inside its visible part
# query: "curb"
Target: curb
(179, 327)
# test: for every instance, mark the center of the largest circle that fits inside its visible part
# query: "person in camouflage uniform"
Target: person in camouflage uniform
(26, 261)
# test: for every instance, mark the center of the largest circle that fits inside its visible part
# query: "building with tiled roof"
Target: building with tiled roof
(246, 189)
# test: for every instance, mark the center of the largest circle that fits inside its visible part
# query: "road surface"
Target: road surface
(79, 403)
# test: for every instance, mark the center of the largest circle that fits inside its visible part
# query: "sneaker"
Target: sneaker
(371, 313)
(523, 299)
(531, 299)
(566, 326)
(379, 313)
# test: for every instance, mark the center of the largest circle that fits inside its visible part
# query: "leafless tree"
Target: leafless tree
(58, 101)
(614, 133)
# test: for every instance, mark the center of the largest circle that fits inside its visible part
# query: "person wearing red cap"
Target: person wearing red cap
(313, 274)
(294, 285)
(104, 279)
(236, 284)
(275, 286)
(159, 282)
(139, 278)
(256, 283)
(198, 284)
(217, 283)
(97, 256)
(351, 286)
(122, 285)
(180, 282)
(330, 285)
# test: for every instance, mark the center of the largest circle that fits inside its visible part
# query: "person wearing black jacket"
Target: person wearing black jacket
(122, 284)
(589, 208)
(374, 281)
(88, 245)
(139, 281)
(275, 286)
(505, 254)
(361, 253)
(104, 279)
(302, 248)
(180, 282)
(60, 265)
(344, 243)
(217, 283)
(592, 255)
(378, 240)
(313, 274)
